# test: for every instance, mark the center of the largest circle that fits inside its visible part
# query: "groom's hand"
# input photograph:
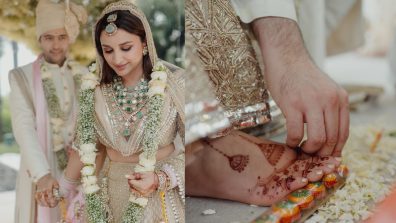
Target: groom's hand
(44, 192)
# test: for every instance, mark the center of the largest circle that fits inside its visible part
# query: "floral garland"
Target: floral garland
(86, 135)
(365, 187)
(57, 117)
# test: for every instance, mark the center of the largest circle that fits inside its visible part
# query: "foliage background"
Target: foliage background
(166, 18)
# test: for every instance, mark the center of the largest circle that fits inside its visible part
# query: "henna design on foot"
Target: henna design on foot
(272, 152)
(309, 166)
(288, 181)
(237, 162)
(260, 183)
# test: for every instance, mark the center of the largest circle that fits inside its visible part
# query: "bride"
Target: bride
(130, 126)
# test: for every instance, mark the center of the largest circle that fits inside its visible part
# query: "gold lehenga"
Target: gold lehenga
(117, 192)
(118, 189)
(109, 126)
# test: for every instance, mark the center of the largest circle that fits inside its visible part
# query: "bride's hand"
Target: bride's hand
(143, 183)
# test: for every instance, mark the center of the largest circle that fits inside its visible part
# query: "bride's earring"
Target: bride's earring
(145, 51)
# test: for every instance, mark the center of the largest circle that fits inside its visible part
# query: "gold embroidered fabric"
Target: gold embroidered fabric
(204, 115)
(226, 52)
(118, 189)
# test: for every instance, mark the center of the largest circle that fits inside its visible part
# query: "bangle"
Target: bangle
(170, 172)
(162, 180)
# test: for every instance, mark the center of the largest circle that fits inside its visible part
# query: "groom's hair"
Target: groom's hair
(130, 23)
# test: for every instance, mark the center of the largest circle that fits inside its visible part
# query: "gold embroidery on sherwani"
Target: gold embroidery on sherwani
(227, 54)
(204, 115)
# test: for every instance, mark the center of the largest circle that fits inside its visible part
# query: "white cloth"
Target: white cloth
(249, 10)
(34, 163)
(328, 27)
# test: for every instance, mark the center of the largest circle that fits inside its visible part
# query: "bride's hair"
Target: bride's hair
(130, 23)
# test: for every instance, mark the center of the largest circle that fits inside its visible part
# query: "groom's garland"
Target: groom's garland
(86, 135)
(58, 118)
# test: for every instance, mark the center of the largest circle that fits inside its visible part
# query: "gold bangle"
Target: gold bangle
(162, 180)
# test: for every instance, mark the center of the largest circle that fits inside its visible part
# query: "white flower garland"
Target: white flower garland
(86, 135)
(372, 175)
(57, 117)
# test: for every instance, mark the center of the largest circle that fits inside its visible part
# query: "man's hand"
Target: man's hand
(44, 195)
(302, 91)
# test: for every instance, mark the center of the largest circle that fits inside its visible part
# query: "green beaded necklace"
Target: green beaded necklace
(130, 101)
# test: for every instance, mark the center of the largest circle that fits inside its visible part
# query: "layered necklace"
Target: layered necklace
(130, 102)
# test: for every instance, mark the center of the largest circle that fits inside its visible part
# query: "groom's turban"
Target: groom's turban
(52, 14)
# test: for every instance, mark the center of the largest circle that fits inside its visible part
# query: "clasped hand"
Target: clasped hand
(144, 183)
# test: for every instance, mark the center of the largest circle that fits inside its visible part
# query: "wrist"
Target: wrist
(156, 180)
(171, 174)
(280, 41)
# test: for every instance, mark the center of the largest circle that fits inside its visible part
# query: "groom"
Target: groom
(43, 111)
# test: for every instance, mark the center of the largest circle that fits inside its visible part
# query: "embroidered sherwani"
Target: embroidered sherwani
(228, 52)
(35, 161)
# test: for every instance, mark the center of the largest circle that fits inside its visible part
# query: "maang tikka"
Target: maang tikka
(111, 28)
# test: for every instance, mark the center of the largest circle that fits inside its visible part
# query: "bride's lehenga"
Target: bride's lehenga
(110, 126)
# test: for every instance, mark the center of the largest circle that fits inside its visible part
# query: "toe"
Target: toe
(315, 174)
(336, 161)
(328, 168)
(278, 190)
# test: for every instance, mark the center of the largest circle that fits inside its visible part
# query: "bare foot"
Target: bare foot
(251, 170)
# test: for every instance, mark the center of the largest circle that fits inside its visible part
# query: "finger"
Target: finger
(147, 175)
(336, 161)
(140, 193)
(134, 183)
(331, 128)
(328, 168)
(295, 128)
(41, 199)
(55, 185)
(52, 203)
(49, 193)
(39, 202)
(134, 191)
(46, 198)
(315, 130)
(37, 197)
(344, 126)
(138, 176)
(140, 185)
(130, 177)
(315, 174)
(279, 191)
(131, 185)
